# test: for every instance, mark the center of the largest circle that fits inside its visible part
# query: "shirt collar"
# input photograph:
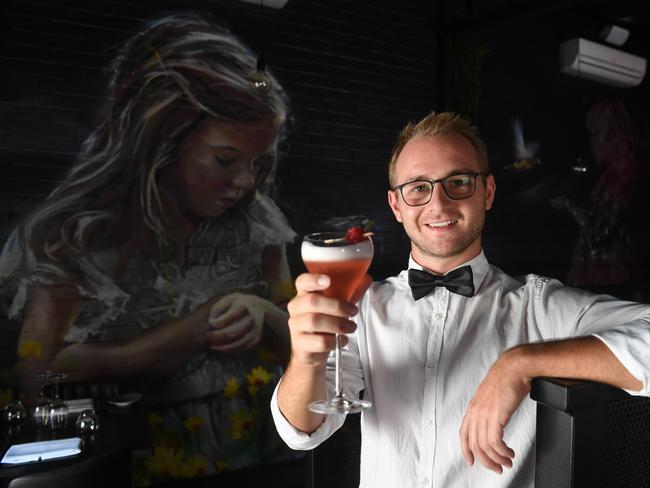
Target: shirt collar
(479, 264)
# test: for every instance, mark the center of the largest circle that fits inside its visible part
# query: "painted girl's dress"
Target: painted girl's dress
(211, 414)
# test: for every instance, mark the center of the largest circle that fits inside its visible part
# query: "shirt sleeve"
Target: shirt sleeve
(622, 325)
(296, 439)
(631, 346)
(353, 383)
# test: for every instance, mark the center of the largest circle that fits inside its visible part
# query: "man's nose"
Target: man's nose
(439, 198)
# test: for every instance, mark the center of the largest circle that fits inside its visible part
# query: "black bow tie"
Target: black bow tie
(458, 281)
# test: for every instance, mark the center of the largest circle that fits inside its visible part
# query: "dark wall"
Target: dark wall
(520, 77)
(355, 72)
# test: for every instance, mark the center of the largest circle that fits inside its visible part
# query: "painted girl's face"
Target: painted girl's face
(219, 164)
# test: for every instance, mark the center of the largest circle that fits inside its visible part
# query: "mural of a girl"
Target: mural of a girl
(160, 258)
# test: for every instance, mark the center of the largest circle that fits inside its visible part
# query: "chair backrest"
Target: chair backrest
(590, 435)
(108, 470)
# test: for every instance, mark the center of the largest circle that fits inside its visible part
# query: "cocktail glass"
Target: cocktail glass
(346, 263)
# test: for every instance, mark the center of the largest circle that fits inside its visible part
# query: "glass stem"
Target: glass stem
(338, 384)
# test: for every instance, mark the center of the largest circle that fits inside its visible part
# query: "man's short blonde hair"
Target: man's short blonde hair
(435, 124)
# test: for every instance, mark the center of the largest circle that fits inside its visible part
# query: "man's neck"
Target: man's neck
(443, 265)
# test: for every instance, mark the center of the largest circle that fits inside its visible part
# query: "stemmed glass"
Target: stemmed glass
(345, 260)
(58, 408)
(87, 422)
(14, 412)
(42, 405)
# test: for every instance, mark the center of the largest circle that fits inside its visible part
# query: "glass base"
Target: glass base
(339, 404)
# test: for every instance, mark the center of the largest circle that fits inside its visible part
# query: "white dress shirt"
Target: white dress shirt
(421, 362)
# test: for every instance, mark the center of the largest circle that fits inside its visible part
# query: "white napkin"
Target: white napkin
(42, 451)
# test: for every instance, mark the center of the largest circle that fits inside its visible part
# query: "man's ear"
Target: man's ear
(392, 201)
(490, 190)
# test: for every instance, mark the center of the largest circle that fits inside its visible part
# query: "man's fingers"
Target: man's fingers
(482, 441)
(491, 443)
(317, 303)
(310, 282)
(464, 442)
(495, 441)
(319, 323)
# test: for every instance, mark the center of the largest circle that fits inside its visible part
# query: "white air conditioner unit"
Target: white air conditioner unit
(593, 61)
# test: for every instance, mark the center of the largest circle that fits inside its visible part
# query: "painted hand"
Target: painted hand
(236, 322)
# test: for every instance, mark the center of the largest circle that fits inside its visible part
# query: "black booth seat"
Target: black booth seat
(590, 435)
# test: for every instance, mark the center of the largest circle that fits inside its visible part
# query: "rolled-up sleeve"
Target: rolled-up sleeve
(296, 439)
(623, 326)
(630, 343)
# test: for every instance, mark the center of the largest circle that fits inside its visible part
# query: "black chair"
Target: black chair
(108, 470)
(590, 435)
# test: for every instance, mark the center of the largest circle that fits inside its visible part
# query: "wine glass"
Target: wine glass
(14, 412)
(41, 406)
(58, 408)
(345, 261)
(87, 422)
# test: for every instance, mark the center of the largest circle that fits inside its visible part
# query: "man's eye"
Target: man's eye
(422, 188)
(463, 181)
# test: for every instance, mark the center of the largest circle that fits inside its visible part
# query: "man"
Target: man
(436, 363)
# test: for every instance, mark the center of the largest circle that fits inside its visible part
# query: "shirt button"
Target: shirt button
(429, 368)
(425, 481)
(429, 423)
(438, 316)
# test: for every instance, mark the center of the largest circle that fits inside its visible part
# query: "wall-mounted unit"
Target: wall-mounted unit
(593, 61)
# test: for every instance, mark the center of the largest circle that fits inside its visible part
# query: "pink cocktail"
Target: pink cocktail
(346, 263)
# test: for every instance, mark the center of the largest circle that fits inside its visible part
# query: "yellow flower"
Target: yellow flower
(232, 388)
(221, 465)
(30, 349)
(192, 466)
(165, 461)
(242, 423)
(193, 423)
(256, 378)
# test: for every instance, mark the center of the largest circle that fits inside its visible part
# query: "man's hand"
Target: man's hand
(314, 319)
(496, 399)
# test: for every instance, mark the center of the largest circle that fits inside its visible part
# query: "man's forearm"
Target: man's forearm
(300, 386)
(584, 358)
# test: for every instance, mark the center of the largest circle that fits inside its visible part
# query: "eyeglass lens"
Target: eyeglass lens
(456, 187)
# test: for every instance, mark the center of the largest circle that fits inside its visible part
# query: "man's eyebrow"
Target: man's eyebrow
(451, 173)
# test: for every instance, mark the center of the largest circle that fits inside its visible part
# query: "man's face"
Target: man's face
(444, 233)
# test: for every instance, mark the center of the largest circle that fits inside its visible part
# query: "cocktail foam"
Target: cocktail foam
(359, 250)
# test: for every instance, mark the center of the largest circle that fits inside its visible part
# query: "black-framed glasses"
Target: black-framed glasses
(457, 187)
